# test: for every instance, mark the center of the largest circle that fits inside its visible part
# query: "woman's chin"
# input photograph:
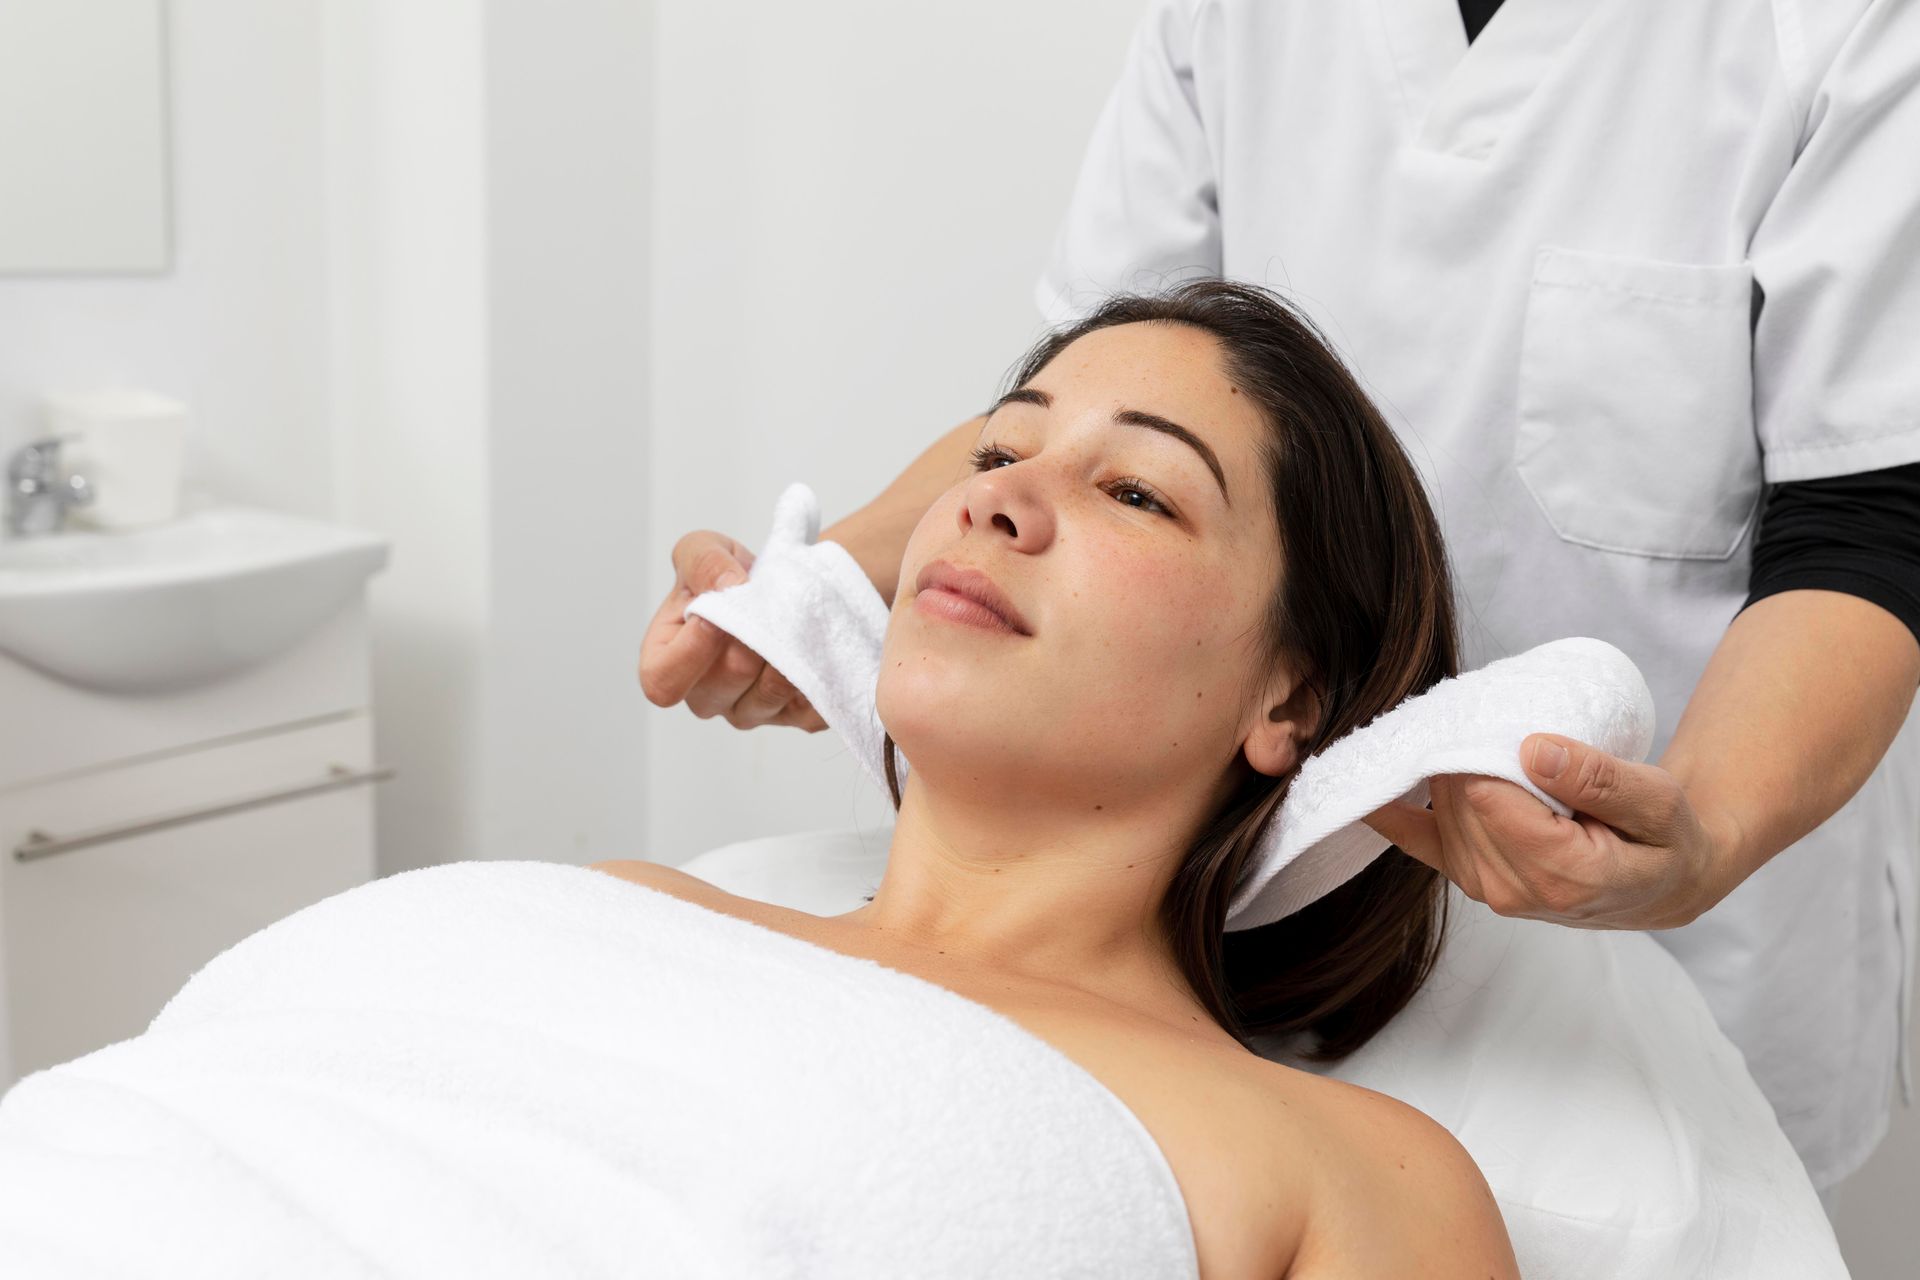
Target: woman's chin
(962, 742)
(946, 727)
(932, 686)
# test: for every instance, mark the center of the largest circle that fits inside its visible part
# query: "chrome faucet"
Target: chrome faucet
(37, 495)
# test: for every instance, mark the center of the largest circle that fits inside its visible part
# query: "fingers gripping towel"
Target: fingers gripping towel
(1474, 722)
(809, 609)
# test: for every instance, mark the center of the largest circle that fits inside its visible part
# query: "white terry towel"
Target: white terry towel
(516, 1069)
(810, 611)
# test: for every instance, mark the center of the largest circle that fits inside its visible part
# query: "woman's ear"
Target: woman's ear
(1276, 741)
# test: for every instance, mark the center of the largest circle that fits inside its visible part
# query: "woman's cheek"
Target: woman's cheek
(1210, 625)
(915, 554)
(1186, 597)
(1166, 613)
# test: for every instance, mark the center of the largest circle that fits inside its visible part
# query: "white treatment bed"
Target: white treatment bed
(1617, 1125)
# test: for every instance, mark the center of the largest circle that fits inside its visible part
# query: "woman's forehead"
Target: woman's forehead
(1174, 371)
(1153, 365)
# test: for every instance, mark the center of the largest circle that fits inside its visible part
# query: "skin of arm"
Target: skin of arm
(1795, 709)
(876, 535)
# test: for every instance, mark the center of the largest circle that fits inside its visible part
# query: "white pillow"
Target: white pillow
(1617, 1125)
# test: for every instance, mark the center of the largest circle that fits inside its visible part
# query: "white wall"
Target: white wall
(852, 203)
(409, 293)
(237, 329)
(406, 252)
(488, 175)
(568, 96)
(1878, 1228)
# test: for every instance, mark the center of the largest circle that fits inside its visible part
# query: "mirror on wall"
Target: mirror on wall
(83, 136)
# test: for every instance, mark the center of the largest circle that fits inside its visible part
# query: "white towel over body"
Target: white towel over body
(528, 1069)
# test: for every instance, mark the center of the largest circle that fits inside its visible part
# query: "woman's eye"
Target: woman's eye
(1153, 502)
(986, 455)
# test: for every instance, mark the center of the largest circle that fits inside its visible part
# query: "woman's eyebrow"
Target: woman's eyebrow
(1131, 418)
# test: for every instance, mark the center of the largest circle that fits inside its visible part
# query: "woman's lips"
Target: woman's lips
(955, 607)
(972, 584)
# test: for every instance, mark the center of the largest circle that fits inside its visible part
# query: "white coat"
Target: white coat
(1607, 270)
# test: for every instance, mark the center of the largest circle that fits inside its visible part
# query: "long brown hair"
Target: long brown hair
(1365, 607)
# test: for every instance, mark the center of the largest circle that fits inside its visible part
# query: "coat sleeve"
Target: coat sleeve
(1836, 346)
(1144, 212)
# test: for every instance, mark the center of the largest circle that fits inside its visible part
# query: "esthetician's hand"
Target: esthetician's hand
(1634, 855)
(691, 660)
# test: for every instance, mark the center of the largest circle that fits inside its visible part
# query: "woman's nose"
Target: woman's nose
(1008, 500)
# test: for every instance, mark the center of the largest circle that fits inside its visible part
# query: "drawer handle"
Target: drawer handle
(39, 844)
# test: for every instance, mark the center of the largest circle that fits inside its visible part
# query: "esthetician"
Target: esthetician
(1638, 284)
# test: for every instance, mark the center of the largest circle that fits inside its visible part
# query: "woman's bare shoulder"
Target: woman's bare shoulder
(691, 888)
(1393, 1193)
(655, 875)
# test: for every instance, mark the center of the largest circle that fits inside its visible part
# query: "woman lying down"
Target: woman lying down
(1027, 1054)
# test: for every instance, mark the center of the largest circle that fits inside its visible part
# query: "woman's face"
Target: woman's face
(1141, 577)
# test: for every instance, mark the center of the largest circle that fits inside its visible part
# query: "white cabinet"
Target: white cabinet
(121, 874)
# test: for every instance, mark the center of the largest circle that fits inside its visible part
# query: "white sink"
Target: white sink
(176, 604)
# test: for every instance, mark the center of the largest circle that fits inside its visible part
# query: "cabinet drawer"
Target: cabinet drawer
(117, 885)
(56, 728)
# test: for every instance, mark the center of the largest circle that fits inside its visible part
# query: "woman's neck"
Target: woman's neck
(1036, 892)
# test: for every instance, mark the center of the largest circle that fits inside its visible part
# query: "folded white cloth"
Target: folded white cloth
(521, 1069)
(811, 612)
(1579, 687)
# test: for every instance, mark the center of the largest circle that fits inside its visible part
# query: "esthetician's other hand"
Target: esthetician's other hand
(691, 660)
(1634, 855)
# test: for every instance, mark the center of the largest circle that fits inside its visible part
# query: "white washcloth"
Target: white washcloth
(515, 1069)
(1579, 687)
(810, 611)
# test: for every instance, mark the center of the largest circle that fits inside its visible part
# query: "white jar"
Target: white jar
(130, 446)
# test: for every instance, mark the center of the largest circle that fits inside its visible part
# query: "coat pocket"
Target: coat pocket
(1635, 424)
